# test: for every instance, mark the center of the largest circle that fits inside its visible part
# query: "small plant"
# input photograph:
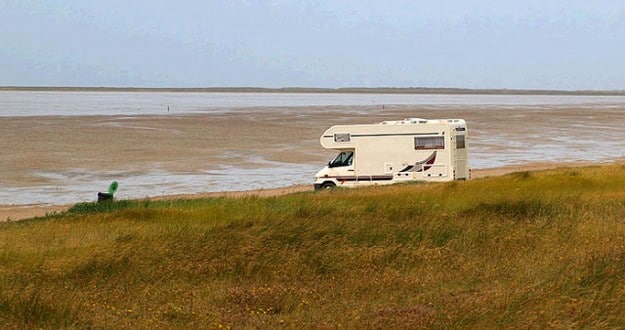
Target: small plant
(94, 207)
(523, 175)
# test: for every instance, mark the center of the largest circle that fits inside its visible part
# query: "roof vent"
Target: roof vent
(416, 120)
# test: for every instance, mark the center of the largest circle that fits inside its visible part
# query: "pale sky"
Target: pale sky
(535, 44)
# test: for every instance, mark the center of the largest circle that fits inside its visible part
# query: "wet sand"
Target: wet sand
(31, 145)
(34, 147)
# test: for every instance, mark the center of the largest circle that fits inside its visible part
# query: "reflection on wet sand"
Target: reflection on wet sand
(60, 159)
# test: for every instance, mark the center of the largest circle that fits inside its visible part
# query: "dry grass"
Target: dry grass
(530, 249)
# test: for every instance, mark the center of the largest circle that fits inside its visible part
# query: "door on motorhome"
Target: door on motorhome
(461, 161)
(343, 167)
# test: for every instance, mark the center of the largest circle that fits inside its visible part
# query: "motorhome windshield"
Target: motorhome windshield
(345, 158)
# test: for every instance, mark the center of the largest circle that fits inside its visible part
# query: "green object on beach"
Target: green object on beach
(113, 187)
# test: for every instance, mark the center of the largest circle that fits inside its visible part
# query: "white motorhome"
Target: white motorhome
(412, 149)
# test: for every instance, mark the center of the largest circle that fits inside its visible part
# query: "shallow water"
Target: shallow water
(78, 186)
(26, 103)
(504, 130)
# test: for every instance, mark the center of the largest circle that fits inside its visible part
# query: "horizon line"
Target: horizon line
(346, 90)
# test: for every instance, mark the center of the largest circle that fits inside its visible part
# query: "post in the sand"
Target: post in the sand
(108, 196)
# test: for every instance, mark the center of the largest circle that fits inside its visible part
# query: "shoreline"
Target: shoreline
(65, 156)
(10, 213)
(342, 90)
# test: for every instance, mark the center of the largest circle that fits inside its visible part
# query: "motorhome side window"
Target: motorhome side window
(342, 137)
(345, 158)
(460, 142)
(429, 142)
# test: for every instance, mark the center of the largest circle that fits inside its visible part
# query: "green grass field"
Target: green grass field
(526, 250)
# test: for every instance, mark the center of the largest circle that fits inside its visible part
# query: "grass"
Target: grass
(526, 250)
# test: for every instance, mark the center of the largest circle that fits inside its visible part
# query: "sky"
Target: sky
(531, 44)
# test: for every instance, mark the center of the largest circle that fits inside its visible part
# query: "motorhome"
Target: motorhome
(412, 149)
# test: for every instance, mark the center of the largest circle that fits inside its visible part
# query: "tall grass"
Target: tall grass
(543, 249)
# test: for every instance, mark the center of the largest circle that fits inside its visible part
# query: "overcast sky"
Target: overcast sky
(543, 44)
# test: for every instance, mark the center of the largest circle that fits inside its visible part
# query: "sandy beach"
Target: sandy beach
(40, 152)
(32, 145)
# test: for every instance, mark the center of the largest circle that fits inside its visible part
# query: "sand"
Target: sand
(189, 143)
(192, 143)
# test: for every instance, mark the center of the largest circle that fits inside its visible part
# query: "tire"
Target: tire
(328, 185)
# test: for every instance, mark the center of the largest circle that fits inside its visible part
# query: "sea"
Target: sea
(48, 103)
(589, 130)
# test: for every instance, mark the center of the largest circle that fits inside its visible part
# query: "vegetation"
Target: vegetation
(526, 250)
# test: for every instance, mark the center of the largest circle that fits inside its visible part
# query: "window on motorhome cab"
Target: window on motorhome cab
(429, 142)
(460, 142)
(345, 158)
(342, 137)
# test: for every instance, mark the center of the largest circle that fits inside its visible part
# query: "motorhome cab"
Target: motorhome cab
(412, 149)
